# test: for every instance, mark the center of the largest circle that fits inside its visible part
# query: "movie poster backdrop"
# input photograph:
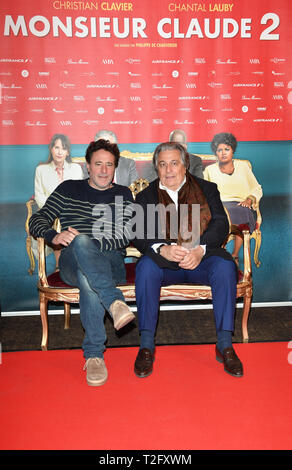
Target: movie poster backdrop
(139, 68)
(142, 69)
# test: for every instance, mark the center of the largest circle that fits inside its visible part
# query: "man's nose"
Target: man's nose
(104, 169)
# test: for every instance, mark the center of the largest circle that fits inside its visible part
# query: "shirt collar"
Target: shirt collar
(161, 186)
(173, 194)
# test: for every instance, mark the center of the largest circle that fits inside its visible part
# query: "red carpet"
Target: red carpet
(188, 403)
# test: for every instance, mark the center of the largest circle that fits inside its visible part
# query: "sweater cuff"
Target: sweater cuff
(49, 235)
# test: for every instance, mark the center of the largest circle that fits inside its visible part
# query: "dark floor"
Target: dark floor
(175, 327)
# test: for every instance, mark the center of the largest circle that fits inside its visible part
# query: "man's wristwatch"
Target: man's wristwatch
(159, 248)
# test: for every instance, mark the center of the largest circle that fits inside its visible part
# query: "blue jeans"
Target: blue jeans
(96, 274)
(214, 271)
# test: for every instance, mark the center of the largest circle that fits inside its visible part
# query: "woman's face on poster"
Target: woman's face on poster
(224, 153)
(59, 153)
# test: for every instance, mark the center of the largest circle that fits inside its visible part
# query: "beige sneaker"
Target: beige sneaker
(96, 371)
(121, 313)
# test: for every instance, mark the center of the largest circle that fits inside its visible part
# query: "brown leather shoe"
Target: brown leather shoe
(232, 363)
(144, 363)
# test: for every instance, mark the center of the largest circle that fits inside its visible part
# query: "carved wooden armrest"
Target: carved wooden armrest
(259, 216)
(133, 252)
(57, 225)
(246, 256)
(42, 263)
(138, 185)
(29, 204)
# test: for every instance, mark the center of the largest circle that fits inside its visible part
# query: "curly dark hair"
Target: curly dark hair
(102, 144)
(223, 138)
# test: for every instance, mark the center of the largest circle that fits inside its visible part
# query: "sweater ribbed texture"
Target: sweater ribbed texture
(102, 215)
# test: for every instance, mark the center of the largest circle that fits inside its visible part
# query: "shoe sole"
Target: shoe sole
(219, 359)
(142, 376)
(95, 383)
(232, 375)
(123, 321)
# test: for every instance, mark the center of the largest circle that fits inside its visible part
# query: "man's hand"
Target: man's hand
(192, 259)
(66, 237)
(173, 252)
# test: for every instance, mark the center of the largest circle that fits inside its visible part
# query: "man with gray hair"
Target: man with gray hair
(196, 165)
(168, 259)
(126, 172)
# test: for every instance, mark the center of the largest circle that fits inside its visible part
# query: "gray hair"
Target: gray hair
(171, 146)
(106, 135)
(175, 132)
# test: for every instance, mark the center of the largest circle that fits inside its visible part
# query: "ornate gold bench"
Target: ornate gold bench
(52, 289)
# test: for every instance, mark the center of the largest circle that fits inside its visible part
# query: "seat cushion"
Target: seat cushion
(54, 279)
(243, 227)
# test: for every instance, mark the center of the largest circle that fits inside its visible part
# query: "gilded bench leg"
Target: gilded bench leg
(67, 312)
(44, 318)
(258, 241)
(245, 314)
